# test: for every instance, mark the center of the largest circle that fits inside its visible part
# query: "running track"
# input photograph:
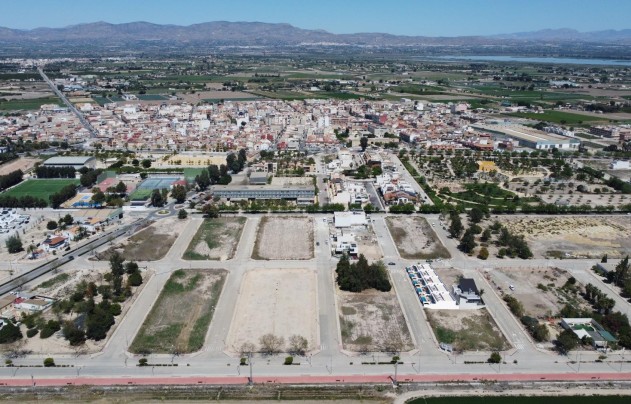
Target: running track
(147, 381)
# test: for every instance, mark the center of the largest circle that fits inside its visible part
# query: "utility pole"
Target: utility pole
(250, 380)
(396, 366)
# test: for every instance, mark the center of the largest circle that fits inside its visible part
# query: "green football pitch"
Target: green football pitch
(40, 188)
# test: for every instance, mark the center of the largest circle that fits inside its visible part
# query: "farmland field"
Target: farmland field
(27, 104)
(40, 188)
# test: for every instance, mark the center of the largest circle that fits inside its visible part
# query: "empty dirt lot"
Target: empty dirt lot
(149, 244)
(415, 238)
(574, 236)
(540, 290)
(372, 321)
(180, 317)
(284, 238)
(216, 239)
(282, 302)
(467, 330)
(23, 163)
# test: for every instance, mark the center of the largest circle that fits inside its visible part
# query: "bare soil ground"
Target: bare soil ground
(366, 240)
(215, 94)
(578, 237)
(23, 163)
(282, 302)
(372, 321)
(467, 330)
(284, 238)
(180, 317)
(415, 238)
(149, 244)
(540, 290)
(216, 239)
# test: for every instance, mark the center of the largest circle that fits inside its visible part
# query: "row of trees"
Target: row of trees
(55, 172)
(361, 275)
(621, 276)
(11, 179)
(25, 201)
(88, 176)
(67, 192)
(236, 163)
(212, 175)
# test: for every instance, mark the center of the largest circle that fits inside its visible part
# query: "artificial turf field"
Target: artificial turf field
(39, 188)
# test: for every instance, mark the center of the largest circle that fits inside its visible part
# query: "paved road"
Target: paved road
(61, 95)
(328, 362)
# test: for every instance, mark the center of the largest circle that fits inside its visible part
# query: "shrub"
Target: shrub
(495, 358)
(483, 254)
(49, 363)
(31, 332)
(143, 362)
(289, 360)
(10, 333)
(49, 329)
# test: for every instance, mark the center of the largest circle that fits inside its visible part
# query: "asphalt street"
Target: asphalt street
(327, 359)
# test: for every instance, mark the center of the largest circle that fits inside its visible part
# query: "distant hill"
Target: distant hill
(266, 34)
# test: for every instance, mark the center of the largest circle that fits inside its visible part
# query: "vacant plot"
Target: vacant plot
(415, 239)
(180, 317)
(542, 291)
(281, 302)
(579, 237)
(40, 188)
(149, 244)
(467, 330)
(216, 239)
(372, 321)
(23, 163)
(284, 238)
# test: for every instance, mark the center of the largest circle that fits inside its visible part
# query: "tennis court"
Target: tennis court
(144, 189)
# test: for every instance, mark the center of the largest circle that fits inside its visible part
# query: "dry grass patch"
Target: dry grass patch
(284, 238)
(181, 315)
(467, 330)
(580, 237)
(372, 321)
(215, 239)
(415, 238)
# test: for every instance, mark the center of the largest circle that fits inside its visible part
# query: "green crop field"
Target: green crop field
(30, 104)
(558, 117)
(41, 188)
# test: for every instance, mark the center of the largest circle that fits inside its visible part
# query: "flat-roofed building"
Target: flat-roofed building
(528, 137)
(301, 194)
(71, 161)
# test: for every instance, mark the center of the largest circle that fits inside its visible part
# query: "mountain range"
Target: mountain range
(267, 34)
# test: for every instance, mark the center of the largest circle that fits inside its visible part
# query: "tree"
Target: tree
(210, 210)
(566, 341)
(135, 162)
(604, 259)
(182, 214)
(363, 142)
(51, 225)
(467, 243)
(247, 348)
(483, 254)
(49, 363)
(476, 215)
(131, 267)
(9, 333)
(179, 193)
(495, 358)
(271, 344)
(121, 188)
(298, 345)
(14, 244)
(146, 163)
(135, 279)
(156, 199)
(98, 198)
(117, 270)
(456, 227)
(73, 334)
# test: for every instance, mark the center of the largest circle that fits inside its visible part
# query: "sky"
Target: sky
(400, 17)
